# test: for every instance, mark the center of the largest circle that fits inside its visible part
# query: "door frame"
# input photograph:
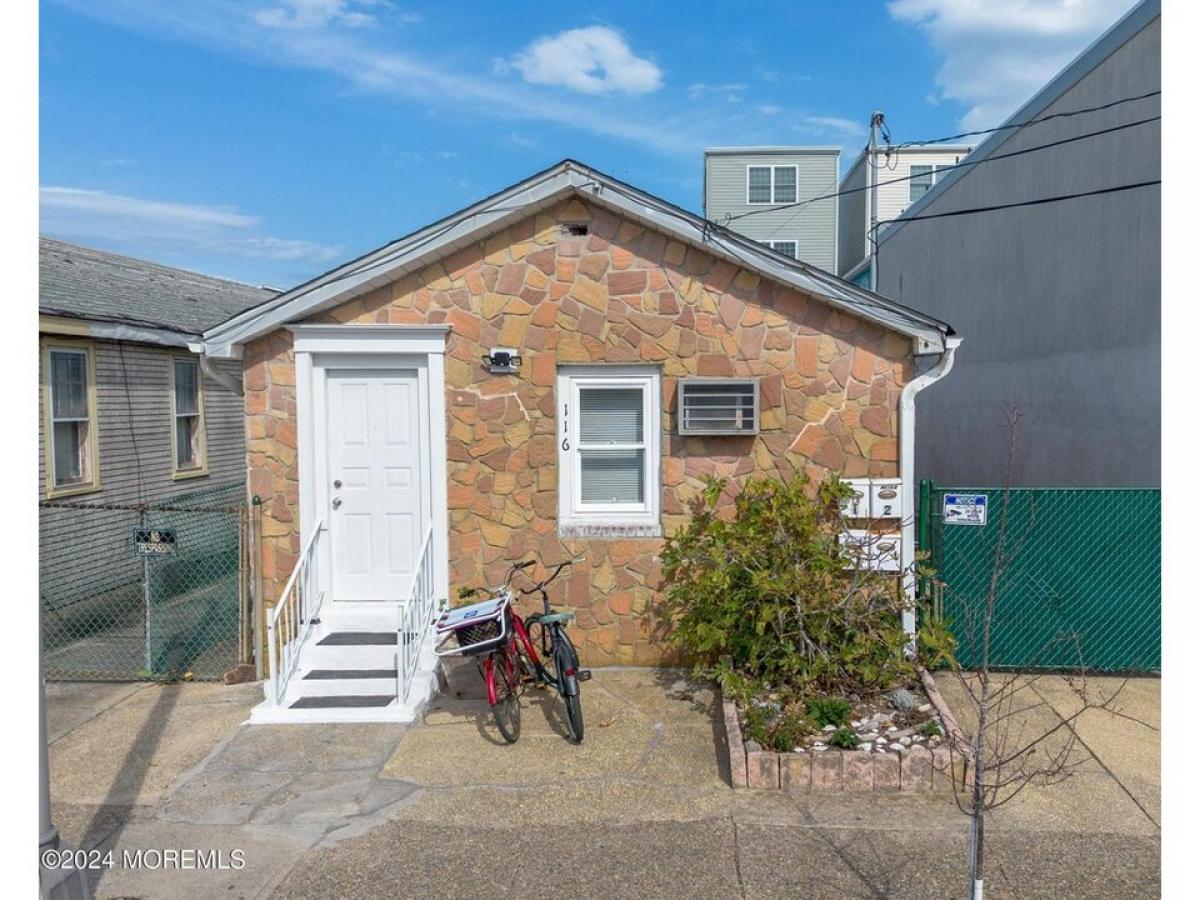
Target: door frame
(319, 348)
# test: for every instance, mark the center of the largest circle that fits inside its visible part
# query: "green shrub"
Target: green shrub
(935, 644)
(845, 738)
(829, 711)
(762, 597)
(931, 729)
(779, 731)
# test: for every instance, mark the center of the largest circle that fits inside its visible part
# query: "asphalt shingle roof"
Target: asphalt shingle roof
(83, 283)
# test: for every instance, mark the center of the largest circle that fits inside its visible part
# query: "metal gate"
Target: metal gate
(145, 591)
(1083, 586)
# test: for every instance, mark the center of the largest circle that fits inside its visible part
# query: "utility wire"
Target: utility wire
(1037, 202)
(966, 163)
(1028, 122)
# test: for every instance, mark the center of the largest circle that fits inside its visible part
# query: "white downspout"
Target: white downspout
(908, 468)
(206, 366)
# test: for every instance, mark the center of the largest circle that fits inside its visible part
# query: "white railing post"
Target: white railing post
(290, 620)
(415, 619)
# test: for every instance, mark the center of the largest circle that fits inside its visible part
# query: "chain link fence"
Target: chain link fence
(1082, 588)
(145, 591)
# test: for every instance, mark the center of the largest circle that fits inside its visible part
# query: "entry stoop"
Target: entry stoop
(347, 672)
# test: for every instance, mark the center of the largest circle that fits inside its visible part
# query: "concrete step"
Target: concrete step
(344, 682)
(348, 701)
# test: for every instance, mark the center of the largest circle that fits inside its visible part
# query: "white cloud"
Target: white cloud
(304, 14)
(374, 60)
(996, 55)
(732, 91)
(769, 109)
(594, 60)
(833, 125)
(100, 216)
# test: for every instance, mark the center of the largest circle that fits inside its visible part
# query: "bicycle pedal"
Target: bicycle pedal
(584, 675)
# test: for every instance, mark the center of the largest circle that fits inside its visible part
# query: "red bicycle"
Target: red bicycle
(505, 645)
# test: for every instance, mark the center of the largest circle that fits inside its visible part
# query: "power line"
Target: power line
(1037, 202)
(966, 163)
(1028, 122)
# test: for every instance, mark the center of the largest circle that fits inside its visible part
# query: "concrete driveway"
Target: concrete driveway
(640, 809)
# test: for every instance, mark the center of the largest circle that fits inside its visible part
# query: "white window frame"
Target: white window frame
(200, 467)
(575, 518)
(912, 179)
(772, 168)
(774, 245)
(87, 351)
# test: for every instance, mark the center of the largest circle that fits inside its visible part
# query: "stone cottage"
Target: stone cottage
(548, 373)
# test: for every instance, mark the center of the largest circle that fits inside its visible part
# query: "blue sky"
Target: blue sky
(268, 140)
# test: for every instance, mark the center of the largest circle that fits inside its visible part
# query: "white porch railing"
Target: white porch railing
(416, 618)
(290, 621)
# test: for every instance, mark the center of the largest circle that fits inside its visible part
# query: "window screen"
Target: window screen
(759, 185)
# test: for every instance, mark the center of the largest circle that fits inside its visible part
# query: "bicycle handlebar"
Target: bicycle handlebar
(542, 584)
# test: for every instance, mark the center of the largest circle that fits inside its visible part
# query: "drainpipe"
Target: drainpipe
(908, 443)
(207, 367)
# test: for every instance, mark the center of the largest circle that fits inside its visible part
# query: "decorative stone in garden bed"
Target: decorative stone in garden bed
(889, 766)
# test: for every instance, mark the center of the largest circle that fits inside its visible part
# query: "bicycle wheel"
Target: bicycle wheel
(506, 711)
(566, 664)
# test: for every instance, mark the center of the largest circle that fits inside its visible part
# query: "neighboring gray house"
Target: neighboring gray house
(902, 177)
(1059, 302)
(769, 182)
(127, 413)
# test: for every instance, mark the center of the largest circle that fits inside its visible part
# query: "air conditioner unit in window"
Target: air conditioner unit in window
(718, 406)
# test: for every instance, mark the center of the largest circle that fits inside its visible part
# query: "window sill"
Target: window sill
(184, 474)
(73, 490)
(587, 529)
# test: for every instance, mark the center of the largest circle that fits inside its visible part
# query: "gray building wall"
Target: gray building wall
(852, 218)
(84, 553)
(1058, 304)
(813, 227)
(133, 392)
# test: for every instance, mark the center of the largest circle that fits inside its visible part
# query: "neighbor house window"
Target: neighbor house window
(787, 248)
(920, 181)
(771, 184)
(187, 409)
(71, 415)
(608, 439)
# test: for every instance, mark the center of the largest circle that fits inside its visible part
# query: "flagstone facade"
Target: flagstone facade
(577, 284)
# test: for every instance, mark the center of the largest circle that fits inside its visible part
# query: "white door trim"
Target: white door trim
(320, 347)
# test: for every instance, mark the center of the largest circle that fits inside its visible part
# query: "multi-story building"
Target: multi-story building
(773, 184)
(902, 176)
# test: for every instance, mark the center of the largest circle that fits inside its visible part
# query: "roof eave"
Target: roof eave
(411, 253)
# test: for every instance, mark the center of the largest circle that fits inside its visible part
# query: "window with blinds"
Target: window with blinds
(718, 406)
(608, 448)
(188, 412)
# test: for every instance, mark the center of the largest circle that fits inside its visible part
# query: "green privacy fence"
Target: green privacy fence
(1082, 586)
(145, 590)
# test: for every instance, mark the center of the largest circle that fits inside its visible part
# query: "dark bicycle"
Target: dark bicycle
(504, 644)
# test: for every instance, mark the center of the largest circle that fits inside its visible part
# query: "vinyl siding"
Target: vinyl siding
(1059, 304)
(852, 219)
(813, 227)
(133, 393)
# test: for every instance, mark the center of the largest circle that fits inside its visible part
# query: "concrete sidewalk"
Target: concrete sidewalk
(640, 809)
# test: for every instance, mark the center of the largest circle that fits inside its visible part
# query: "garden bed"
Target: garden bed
(905, 740)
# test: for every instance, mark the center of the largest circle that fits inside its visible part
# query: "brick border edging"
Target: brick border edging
(918, 769)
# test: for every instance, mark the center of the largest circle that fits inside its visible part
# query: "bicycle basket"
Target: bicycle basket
(476, 629)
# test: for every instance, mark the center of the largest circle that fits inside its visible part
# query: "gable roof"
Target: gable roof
(83, 283)
(567, 178)
(1100, 49)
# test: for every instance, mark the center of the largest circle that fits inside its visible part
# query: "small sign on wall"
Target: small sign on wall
(153, 541)
(964, 509)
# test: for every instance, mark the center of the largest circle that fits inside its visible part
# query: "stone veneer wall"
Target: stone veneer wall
(621, 293)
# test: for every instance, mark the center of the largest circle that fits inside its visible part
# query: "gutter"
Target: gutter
(207, 367)
(908, 442)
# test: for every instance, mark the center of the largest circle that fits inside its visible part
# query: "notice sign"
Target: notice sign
(964, 509)
(153, 541)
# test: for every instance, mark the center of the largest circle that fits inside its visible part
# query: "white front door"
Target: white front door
(374, 466)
